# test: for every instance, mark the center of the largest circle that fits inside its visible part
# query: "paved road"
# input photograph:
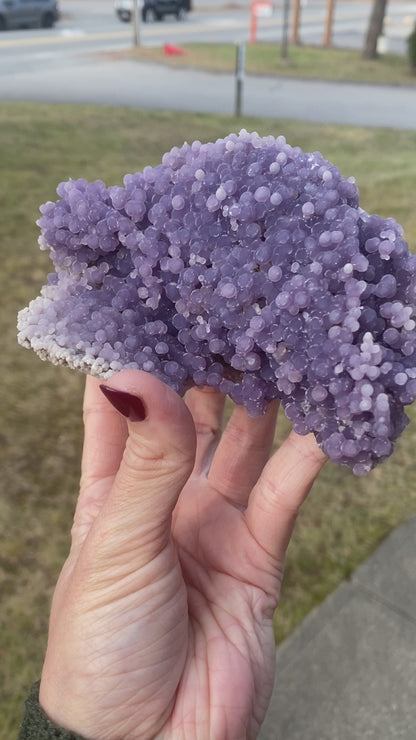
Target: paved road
(142, 85)
(64, 64)
(94, 26)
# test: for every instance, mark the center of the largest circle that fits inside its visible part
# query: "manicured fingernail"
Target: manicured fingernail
(130, 406)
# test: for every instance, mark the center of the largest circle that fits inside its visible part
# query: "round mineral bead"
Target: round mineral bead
(308, 209)
(228, 290)
(274, 273)
(262, 194)
(276, 198)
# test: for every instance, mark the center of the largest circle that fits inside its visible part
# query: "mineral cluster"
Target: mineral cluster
(246, 265)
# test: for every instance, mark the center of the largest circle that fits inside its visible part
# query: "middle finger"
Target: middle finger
(206, 406)
(243, 451)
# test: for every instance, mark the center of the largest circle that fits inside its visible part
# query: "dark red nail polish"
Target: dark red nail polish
(130, 406)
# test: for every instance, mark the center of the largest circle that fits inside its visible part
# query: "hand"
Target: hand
(161, 623)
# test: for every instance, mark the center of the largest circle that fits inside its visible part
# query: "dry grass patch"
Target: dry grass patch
(306, 62)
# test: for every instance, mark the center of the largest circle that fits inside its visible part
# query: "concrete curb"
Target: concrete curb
(349, 671)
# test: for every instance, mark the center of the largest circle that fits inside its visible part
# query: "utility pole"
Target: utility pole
(285, 31)
(136, 23)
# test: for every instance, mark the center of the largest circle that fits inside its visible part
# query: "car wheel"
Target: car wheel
(181, 14)
(47, 20)
(3, 24)
(125, 16)
(150, 15)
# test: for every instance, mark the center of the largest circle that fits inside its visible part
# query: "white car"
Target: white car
(152, 10)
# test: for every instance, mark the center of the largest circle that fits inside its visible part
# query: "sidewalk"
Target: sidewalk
(349, 671)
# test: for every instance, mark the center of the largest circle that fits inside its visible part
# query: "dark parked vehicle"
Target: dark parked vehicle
(153, 10)
(26, 13)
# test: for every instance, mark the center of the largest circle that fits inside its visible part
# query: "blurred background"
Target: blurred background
(84, 93)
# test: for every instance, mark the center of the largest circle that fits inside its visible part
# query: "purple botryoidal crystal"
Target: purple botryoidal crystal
(246, 265)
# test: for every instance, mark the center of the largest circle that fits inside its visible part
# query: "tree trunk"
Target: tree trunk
(296, 22)
(330, 7)
(375, 28)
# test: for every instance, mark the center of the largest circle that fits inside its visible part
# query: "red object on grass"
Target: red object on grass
(172, 49)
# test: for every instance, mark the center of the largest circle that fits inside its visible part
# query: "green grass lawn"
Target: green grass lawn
(308, 62)
(344, 519)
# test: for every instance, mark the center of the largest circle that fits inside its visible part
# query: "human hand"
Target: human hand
(161, 622)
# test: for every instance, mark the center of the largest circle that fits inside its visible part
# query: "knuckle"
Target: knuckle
(206, 430)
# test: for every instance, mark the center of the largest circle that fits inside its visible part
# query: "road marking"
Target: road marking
(222, 23)
(71, 32)
(171, 30)
(38, 40)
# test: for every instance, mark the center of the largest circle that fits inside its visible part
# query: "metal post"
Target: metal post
(285, 30)
(239, 77)
(136, 23)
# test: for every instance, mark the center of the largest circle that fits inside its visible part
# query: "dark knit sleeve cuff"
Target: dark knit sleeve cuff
(36, 725)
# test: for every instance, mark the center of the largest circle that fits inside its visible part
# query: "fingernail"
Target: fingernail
(126, 403)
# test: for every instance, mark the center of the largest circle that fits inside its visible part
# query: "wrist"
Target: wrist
(37, 724)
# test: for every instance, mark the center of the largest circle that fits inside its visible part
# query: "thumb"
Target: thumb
(157, 461)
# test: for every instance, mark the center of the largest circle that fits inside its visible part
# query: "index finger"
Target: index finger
(283, 486)
(105, 436)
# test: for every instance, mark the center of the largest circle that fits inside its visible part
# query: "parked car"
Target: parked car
(26, 13)
(152, 10)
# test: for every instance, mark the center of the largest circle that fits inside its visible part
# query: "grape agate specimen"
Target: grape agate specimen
(246, 265)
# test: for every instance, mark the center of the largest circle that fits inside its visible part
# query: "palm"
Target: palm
(231, 595)
(162, 616)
